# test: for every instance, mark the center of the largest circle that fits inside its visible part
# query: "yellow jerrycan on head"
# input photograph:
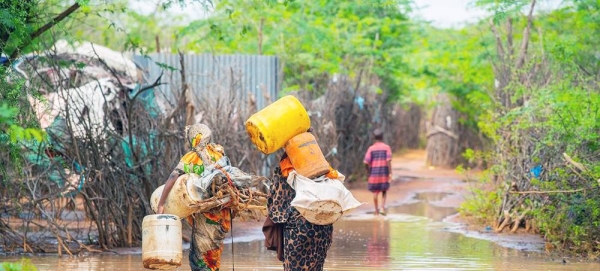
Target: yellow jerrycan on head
(270, 128)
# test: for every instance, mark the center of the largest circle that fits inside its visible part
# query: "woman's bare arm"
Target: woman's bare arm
(168, 186)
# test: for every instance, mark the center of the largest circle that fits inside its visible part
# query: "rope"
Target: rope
(233, 188)
(230, 214)
(232, 252)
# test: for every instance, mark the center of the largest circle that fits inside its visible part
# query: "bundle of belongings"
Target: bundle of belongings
(321, 197)
(211, 182)
(222, 184)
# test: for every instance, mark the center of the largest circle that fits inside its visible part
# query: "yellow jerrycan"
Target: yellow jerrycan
(270, 128)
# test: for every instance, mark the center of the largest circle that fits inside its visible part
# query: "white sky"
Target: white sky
(441, 13)
(447, 13)
(455, 13)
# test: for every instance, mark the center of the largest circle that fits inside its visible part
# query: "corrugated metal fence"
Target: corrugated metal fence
(246, 74)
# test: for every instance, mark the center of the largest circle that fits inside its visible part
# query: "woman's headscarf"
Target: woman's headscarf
(198, 135)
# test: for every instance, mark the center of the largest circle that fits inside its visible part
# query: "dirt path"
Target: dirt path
(411, 176)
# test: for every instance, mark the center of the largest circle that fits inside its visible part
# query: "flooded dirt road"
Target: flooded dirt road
(418, 233)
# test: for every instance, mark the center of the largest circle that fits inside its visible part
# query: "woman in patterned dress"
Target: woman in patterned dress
(208, 228)
(305, 244)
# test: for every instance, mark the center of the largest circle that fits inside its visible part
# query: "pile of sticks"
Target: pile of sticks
(248, 201)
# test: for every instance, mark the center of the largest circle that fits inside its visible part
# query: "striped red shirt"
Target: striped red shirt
(377, 157)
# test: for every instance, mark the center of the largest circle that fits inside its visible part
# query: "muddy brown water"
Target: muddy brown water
(418, 233)
(415, 235)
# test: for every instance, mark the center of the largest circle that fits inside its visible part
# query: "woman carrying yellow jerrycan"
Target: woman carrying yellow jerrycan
(301, 235)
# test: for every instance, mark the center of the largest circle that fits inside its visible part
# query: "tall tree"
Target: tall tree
(315, 38)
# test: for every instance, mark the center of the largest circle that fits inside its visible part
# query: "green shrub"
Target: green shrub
(482, 206)
(23, 265)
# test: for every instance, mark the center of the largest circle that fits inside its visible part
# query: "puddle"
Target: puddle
(400, 243)
(431, 196)
(424, 205)
(410, 237)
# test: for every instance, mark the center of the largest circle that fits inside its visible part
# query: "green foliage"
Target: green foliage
(473, 156)
(7, 114)
(23, 265)
(482, 206)
(314, 38)
(438, 55)
(502, 9)
(572, 128)
(14, 26)
(14, 131)
(557, 110)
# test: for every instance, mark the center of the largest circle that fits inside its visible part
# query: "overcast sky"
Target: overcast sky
(455, 13)
(441, 13)
(447, 13)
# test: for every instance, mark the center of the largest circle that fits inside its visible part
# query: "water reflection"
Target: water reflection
(410, 237)
(378, 246)
(422, 205)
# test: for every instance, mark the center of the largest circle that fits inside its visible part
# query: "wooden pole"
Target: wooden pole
(130, 225)
(260, 35)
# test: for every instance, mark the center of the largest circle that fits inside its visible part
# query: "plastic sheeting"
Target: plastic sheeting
(215, 172)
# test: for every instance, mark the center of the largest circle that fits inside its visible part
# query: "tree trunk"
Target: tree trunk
(443, 148)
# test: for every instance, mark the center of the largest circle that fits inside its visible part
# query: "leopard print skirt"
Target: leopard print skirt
(305, 244)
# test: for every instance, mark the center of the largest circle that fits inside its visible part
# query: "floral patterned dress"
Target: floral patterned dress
(209, 228)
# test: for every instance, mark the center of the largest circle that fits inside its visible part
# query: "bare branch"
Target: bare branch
(499, 46)
(183, 97)
(45, 28)
(151, 86)
(509, 37)
(526, 36)
(548, 192)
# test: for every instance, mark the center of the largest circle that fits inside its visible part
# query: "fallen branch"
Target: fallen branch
(439, 129)
(61, 244)
(505, 222)
(518, 221)
(576, 164)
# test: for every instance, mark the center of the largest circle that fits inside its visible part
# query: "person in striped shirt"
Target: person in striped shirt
(378, 161)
